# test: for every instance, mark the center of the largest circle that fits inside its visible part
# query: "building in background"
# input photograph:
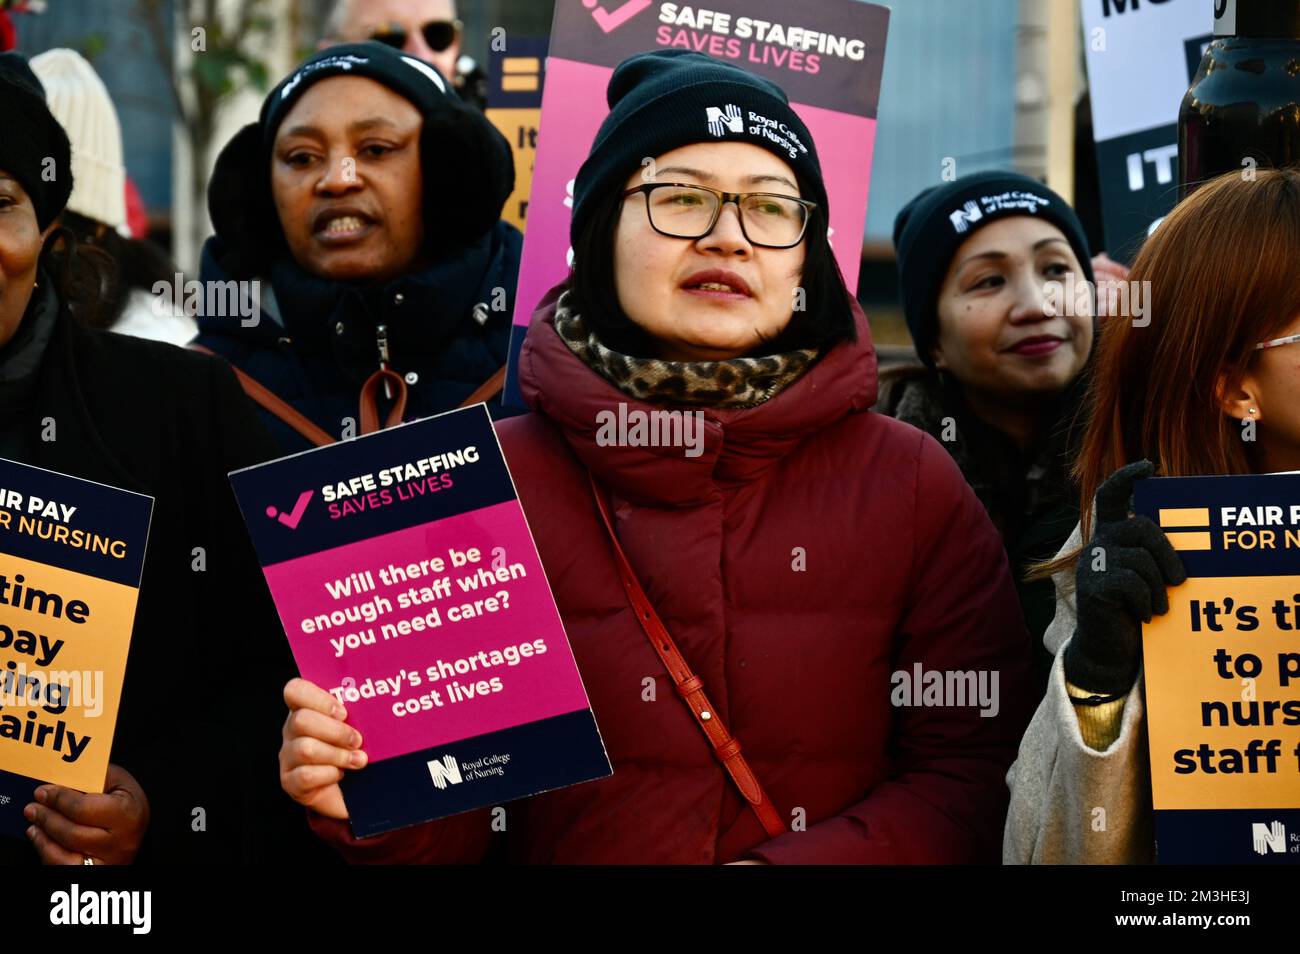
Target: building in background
(121, 50)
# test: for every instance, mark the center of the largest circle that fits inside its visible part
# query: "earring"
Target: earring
(1253, 411)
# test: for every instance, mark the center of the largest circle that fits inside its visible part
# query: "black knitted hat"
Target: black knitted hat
(460, 151)
(929, 230)
(33, 146)
(670, 98)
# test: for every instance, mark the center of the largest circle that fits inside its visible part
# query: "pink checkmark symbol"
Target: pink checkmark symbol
(294, 516)
(609, 21)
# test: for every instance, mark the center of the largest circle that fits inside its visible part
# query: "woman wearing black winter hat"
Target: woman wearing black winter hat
(807, 559)
(365, 203)
(206, 652)
(996, 289)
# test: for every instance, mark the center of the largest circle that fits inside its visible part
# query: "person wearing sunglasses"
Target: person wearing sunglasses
(804, 555)
(1210, 386)
(425, 29)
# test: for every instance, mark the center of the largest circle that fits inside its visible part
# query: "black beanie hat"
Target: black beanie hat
(930, 229)
(669, 98)
(30, 137)
(460, 150)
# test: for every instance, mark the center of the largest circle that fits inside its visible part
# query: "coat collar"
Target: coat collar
(78, 447)
(738, 444)
(421, 310)
(22, 356)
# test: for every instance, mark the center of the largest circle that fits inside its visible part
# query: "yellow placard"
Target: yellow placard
(1223, 694)
(61, 680)
(519, 126)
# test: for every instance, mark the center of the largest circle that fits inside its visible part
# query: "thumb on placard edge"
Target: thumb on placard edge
(1116, 491)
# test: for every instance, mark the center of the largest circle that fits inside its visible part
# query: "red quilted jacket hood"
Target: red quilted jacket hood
(738, 443)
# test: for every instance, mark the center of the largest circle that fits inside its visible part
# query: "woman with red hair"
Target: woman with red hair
(1211, 385)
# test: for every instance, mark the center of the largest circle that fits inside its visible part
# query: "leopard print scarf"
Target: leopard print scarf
(738, 382)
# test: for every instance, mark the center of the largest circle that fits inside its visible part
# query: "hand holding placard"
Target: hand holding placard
(1121, 579)
(1222, 672)
(412, 593)
(69, 826)
(318, 746)
(71, 555)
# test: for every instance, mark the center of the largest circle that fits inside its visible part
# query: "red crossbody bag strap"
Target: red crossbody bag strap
(488, 389)
(689, 686)
(268, 399)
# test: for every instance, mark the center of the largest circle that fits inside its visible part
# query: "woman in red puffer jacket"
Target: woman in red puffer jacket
(817, 565)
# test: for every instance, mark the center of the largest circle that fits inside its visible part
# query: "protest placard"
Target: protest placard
(71, 554)
(826, 54)
(514, 106)
(1222, 671)
(1141, 56)
(410, 588)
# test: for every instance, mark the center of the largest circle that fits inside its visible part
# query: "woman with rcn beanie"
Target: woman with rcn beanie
(187, 778)
(795, 560)
(96, 210)
(1211, 386)
(986, 265)
(366, 203)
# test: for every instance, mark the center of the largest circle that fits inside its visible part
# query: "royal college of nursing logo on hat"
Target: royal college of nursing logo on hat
(963, 217)
(344, 62)
(722, 120)
(1013, 200)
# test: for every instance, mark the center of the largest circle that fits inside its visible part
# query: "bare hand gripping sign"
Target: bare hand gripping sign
(408, 583)
(1223, 671)
(71, 554)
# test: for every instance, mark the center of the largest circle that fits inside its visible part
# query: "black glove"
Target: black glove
(1113, 602)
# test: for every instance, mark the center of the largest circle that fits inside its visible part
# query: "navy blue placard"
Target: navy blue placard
(1137, 178)
(292, 488)
(1234, 526)
(513, 396)
(1215, 493)
(1228, 836)
(16, 793)
(115, 521)
(517, 48)
(543, 755)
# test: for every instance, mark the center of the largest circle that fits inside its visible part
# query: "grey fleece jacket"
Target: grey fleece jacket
(1071, 804)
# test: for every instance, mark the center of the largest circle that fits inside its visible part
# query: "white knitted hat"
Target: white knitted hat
(80, 102)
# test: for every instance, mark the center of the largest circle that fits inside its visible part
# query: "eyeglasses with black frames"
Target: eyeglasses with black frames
(767, 219)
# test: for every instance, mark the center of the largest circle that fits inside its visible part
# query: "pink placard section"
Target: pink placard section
(845, 143)
(422, 652)
(563, 140)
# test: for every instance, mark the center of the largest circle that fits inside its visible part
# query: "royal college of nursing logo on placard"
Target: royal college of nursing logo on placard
(444, 771)
(448, 771)
(1265, 838)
